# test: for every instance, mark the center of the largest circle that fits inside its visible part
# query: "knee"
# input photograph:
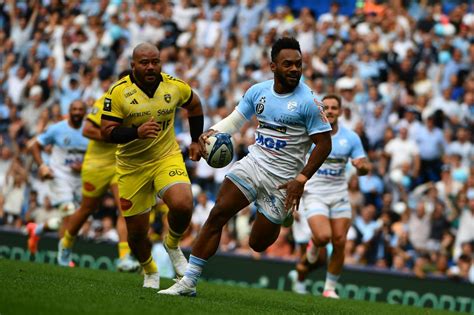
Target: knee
(339, 241)
(322, 239)
(181, 205)
(257, 246)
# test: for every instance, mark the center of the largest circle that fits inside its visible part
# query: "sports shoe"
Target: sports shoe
(181, 287)
(128, 264)
(64, 255)
(152, 280)
(288, 221)
(33, 239)
(177, 259)
(330, 294)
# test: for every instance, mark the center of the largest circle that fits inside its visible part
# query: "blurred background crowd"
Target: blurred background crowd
(404, 69)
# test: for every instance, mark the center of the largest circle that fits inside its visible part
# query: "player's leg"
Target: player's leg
(126, 262)
(263, 234)
(71, 227)
(321, 230)
(179, 200)
(339, 227)
(230, 200)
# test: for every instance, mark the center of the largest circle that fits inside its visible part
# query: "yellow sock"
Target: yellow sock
(123, 249)
(172, 239)
(68, 240)
(149, 266)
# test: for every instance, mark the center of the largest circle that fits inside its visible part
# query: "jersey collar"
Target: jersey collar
(148, 93)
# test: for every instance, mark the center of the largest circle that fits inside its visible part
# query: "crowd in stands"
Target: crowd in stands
(404, 69)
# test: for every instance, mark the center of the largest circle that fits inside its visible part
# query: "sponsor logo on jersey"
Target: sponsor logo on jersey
(177, 172)
(260, 105)
(140, 114)
(130, 93)
(107, 105)
(164, 111)
(167, 97)
(330, 172)
(292, 106)
(265, 125)
(287, 120)
(134, 101)
(269, 142)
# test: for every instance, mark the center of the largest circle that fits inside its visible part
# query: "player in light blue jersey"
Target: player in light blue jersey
(64, 169)
(325, 202)
(274, 173)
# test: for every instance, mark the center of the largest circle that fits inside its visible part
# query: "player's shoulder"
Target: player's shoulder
(168, 78)
(120, 85)
(259, 88)
(348, 133)
(304, 91)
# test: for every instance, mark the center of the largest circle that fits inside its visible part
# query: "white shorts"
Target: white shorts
(335, 206)
(301, 230)
(260, 186)
(66, 194)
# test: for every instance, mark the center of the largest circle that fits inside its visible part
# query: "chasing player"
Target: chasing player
(64, 169)
(273, 174)
(325, 202)
(98, 174)
(138, 114)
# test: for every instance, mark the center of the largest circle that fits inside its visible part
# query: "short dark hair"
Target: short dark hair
(333, 97)
(284, 43)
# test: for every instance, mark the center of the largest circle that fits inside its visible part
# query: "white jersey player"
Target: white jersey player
(274, 172)
(64, 169)
(325, 202)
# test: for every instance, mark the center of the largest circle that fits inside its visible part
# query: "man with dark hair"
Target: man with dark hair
(273, 174)
(138, 115)
(100, 155)
(325, 202)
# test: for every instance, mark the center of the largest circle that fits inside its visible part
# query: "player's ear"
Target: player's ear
(273, 66)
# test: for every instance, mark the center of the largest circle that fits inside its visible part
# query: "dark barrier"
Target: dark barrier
(357, 283)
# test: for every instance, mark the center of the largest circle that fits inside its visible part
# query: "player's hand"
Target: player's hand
(203, 141)
(76, 167)
(45, 172)
(294, 191)
(194, 151)
(149, 129)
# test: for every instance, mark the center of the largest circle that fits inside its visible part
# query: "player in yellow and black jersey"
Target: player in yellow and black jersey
(138, 114)
(97, 174)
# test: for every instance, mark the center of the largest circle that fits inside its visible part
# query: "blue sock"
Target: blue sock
(39, 228)
(194, 269)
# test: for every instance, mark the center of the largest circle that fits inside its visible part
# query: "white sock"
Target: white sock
(312, 254)
(331, 282)
(39, 228)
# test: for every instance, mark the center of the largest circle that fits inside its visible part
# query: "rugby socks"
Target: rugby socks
(149, 266)
(194, 270)
(39, 228)
(331, 282)
(172, 239)
(68, 240)
(123, 249)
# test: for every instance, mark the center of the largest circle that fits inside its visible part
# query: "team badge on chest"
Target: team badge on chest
(167, 97)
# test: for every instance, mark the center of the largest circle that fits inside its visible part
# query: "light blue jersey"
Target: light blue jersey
(331, 176)
(285, 124)
(69, 146)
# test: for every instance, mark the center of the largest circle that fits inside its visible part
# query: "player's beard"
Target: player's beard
(287, 85)
(76, 120)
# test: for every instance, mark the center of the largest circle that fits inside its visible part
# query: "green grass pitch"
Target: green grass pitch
(32, 288)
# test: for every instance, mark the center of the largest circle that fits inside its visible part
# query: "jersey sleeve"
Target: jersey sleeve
(113, 104)
(48, 136)
(357, 148)
(96, 112)
(245, 106)
(185, 92)
(314, 118)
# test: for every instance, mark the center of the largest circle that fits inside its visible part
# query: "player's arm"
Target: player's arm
(295, 187)
(91, 131)
(43, 170)
(362, 165)
(196, 125)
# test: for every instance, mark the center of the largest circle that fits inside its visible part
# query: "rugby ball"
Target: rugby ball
(220, 150)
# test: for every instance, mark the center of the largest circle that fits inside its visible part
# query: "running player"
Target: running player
(64, 167)
(325, 202)
(98, 174)
(138, 114)
(290, 120)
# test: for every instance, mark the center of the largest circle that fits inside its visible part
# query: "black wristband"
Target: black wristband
(123, 134)
(196, 126)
